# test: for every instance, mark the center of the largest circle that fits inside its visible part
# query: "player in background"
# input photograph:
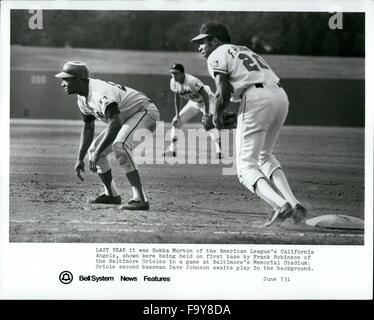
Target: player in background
(244, 76)
(200, 100)
(124, 110)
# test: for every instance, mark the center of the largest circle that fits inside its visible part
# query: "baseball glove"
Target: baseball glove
(229, 120)
(207, 121)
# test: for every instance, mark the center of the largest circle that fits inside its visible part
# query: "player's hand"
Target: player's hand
(93, 161)
(207, 121)
(218, 121)
(79, 166)
(175, 121)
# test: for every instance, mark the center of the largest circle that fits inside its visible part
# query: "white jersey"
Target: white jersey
(102, 93)
(189, 89)
(243, 67)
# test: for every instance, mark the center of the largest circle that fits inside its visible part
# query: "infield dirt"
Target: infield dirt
(190, 203)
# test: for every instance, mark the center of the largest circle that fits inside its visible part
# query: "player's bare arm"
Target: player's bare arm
(204, 93)
(87, 136)
(113, 127)
(221, 98)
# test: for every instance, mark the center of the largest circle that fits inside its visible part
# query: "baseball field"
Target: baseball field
(191, 200)
(190, 203)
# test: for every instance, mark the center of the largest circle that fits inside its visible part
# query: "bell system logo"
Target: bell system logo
(66, 277)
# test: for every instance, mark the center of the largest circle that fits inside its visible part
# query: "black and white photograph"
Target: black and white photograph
(187, 126)
(299, 158)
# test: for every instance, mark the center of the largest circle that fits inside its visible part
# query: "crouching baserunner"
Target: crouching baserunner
(124, 110)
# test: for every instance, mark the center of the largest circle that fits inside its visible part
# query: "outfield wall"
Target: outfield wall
(322, 102)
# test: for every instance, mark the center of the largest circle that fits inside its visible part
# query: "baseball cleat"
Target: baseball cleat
(299, 214)
(105, 199)
(135, 205)
(280, 215)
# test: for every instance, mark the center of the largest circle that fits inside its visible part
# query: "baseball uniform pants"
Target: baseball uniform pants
(191, 110)
(261, 116)
(124, 144)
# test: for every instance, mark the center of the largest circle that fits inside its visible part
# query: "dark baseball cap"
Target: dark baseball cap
(213, 30)
(176, 67)
(74, 69)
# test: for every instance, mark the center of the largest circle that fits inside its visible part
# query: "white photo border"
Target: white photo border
(31, 270)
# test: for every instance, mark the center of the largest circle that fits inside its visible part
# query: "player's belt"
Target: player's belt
(261, 85)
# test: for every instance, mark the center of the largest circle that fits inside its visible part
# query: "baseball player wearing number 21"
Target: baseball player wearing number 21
(124, 110)
(245, 77)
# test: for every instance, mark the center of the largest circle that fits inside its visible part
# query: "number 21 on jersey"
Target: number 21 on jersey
(250, 64)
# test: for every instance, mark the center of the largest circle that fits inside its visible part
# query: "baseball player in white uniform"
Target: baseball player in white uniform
(244, 76)
(124, 110)
(200, 100)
